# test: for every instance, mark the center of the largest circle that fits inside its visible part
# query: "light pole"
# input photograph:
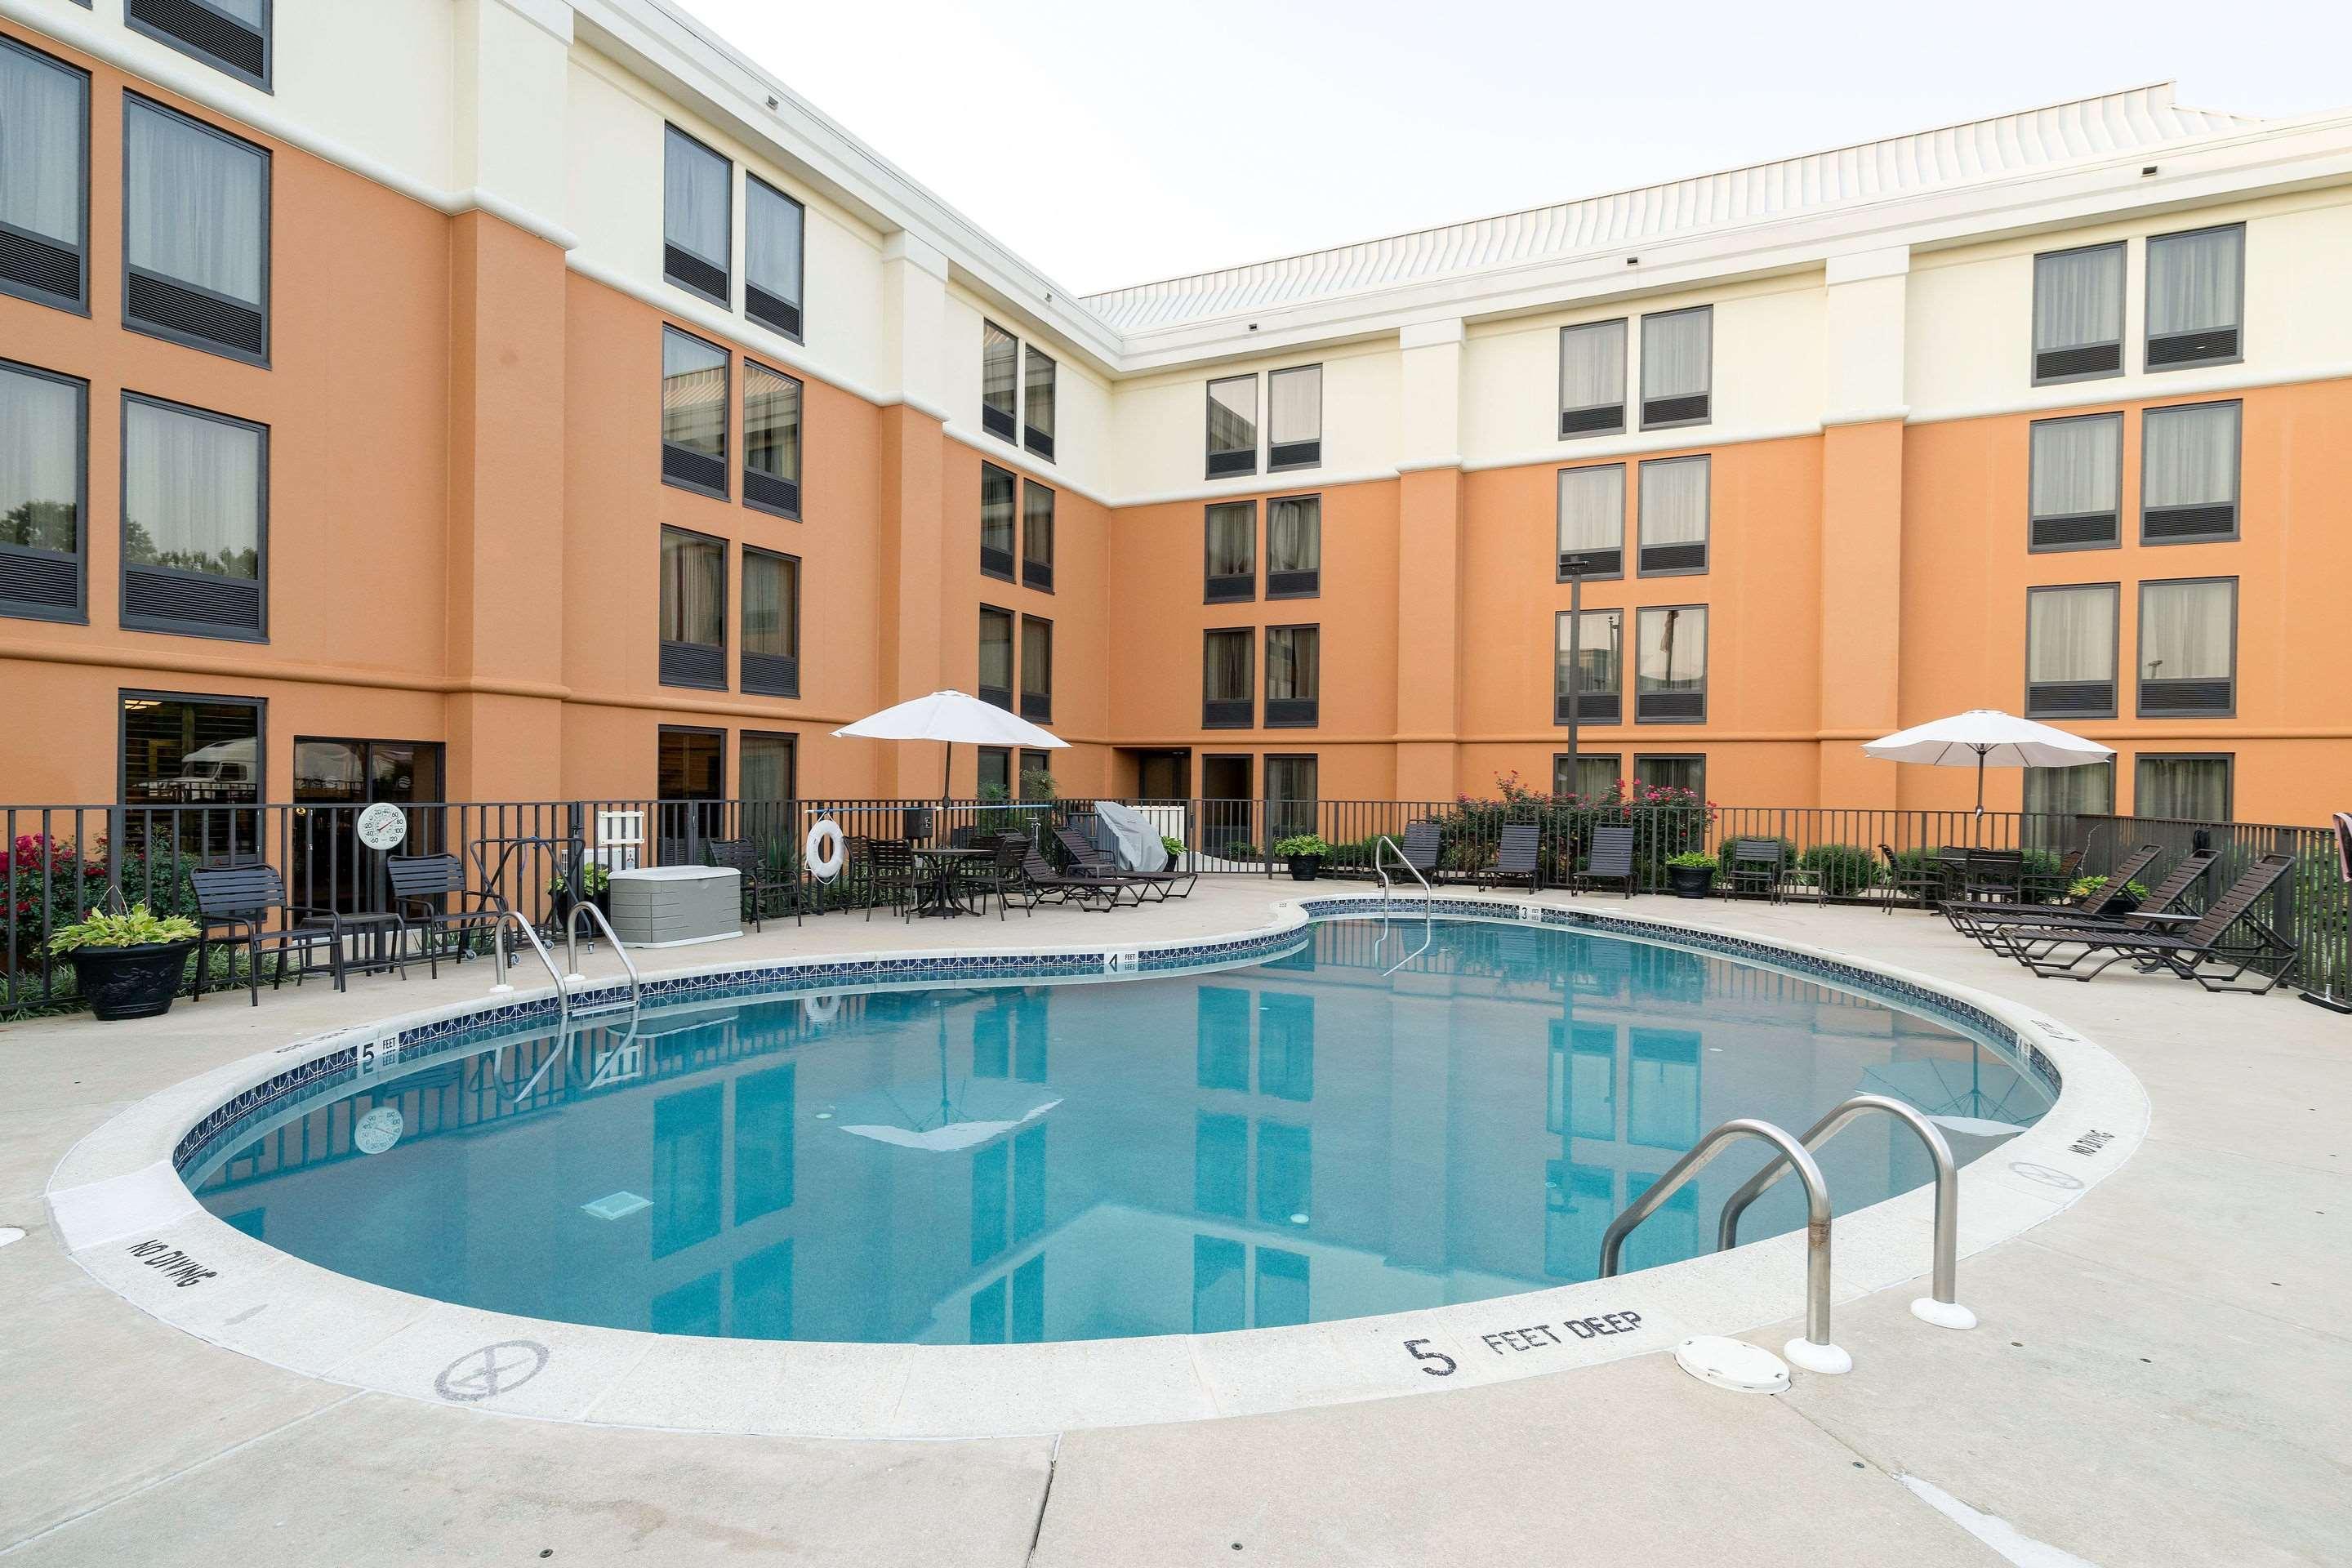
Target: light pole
(1575, 567)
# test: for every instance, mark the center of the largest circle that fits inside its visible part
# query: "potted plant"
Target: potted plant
(127, 965)
(595, 885)
(1692, 873)
(1175, 848)
(2086, 887)
(1305, 852)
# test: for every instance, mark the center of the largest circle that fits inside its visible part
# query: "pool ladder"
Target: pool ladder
(1815, 1352)
(1382, 845)
(570, 975)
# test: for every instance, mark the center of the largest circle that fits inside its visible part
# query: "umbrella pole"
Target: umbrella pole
(947, 770)
(1976, 837)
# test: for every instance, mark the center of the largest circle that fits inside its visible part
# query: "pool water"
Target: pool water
(1306, 1139)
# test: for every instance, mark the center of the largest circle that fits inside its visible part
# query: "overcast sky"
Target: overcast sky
(1112, 142)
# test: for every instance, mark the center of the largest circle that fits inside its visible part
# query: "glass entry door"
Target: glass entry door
(334, 779)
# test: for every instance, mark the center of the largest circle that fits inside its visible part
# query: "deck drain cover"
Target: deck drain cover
(617, 1206)
(1732, 1364)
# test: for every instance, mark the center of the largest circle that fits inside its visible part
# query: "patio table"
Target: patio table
(943, 868)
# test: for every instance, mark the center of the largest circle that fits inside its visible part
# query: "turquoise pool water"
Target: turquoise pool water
(1306, 1139)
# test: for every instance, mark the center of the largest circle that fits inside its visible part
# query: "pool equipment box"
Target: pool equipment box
(672, 906)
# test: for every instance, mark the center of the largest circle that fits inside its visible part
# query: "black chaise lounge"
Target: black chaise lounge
(1086, 860)
(1610, 862)
(2027, 933)
(2190, 952)
(1040, 882)
(2104, 903)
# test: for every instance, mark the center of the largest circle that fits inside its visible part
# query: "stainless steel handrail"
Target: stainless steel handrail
(572, 947)
(1428, 922)
(501, 963)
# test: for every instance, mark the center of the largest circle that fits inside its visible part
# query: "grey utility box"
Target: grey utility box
(670, 906)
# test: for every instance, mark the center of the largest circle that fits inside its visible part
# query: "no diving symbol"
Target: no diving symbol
(494, 1369)
(2044, 1174)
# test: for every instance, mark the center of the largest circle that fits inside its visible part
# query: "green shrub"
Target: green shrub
(2085, 887)
(1844, 869)
(1300, 843)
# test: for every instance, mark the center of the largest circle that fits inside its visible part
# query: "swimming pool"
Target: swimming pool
(1306, 1139)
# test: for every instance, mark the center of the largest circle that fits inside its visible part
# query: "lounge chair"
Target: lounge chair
(2188, 952)
(1517, 858)
(1040, 881)
(2022, 932)
(1086, 860)
(1609, 860)
(2102, 903)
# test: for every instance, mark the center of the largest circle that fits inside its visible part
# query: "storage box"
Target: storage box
(671, 906)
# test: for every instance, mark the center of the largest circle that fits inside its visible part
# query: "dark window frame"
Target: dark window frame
(1039, 443)
(1007, 570)
(268, 222)
(2148, 339)
(2140, 709)
(1624, 527)
(265, 82)
(175, 625)
(1036, 571)
(2237, 475)
(1707, 537)
(76, 613)
(1211, 593)
(1230, 712)
(1706, 675)
(715, 731)
(2109, 764)
(792, 740)
(1233, 468)
(783, 496)
(1616, 759)
(1588, 426)
(1297, 590)
(1591, 708)
(664, 675)
(1292, 712)
(726, 423)
(1037, 707)
(77, 305)
(125, 696)
(1006, 697)
(1705, 416)
(796, 330)
(2033, 349)
(777, 675)
(1635, 777)
(2034, 546)
(2115, 655)
(1004, 424)
(725, 297)
(1274, 461)
(2228, 760)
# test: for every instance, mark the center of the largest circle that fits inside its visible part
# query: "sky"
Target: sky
(1109, 142)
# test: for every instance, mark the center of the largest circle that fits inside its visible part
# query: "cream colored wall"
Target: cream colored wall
(1160, 426)
(1085, 456)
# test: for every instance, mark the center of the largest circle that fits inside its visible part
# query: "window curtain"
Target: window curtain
(2192, 455)
(196, 205)
(1676, 350)
(772, 596)
(996, 358)
(1673, 501)
(1038, 382)
(694, 394)
(996, 650)
(1228, 667)
(1291, 780)
(1232, 541)
(1674, 649)
(771, 422)
(2086, 790)
(2185, 631)
(1596, 779)
(1672, 773)
(694, 590)
(2077, 465)
(2193, 281)
(41, 123)
(995, 508)
(1291, 661)
(1591, 365)
(2069, 635)
(40, 443)
(1233, 414)
(2078, 298)
(1037, 524)
(1294, 400)
(694, 199)
(771, 241)
(1037, 657)
(2186, 789)
(1294, 533)
(767, 767)
(1599, 652)
(191, 492)
(1591, 509)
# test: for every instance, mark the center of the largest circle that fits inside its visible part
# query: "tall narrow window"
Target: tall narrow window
(1037, 402)
(2076, 483)
(43, 178)
(698, 216)
(1232, 565)
(1674, 516)
(772, 440)
(1293, 676)
(2070, 652)
(999, 355)
(1671, 666)
(1037, 536)
(1228, 680)
(1592, 379)
(1599, 660)
(1294, 413)
(1294, 547)
(2078, 314)
(693, 413)
(2188, 473)
(1037, 669)
(231, 36)
(771, 773)
(771, 625)
(2196, 298)
(2189, 648)
(2182, 789)
(1232, 426)
(43, 480)
(776, 250)
(1597, 774)
(693, 610)
(997, 487)
(1290, 798)
(1677, 367)
(196, 489)
(1592, 522)
(996, 656)
(2085, 791)
(1672, 773)
(995, 773)
(195, 233)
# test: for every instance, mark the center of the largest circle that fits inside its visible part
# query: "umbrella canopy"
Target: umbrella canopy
(1986, 737)
(940, 1118)
(1952, 1095)
(952, 716)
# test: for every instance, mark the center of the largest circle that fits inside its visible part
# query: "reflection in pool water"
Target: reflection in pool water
(1299, 1142)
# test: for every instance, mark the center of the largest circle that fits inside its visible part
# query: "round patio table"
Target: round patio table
(943, 868)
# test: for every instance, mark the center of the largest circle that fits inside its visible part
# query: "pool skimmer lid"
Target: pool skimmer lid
(1735, 1364)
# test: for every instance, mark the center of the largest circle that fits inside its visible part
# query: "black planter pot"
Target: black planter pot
(131, 982)
(1304, 867)
(1691, 881)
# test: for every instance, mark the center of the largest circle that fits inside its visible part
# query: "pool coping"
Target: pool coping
(124, 1212)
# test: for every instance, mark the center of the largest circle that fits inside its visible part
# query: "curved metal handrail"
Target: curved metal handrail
(572, 947)
(1428, 922)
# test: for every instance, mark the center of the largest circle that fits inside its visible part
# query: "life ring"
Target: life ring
(827, 852)
(822, 1009)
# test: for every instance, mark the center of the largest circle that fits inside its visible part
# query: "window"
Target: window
(691, 765)
(1592, 522)
(2070, 652)
(995, 773)
(1231, 568)
(996, 656)
(178, 750)
(698, 217)
(44, 491)
(2196, 297)
(44, 190)
(2075, 482)
(1228, 680)
(1037, 403)
(693, 610)
(1290, 786)
(1671, 673)
(772, 440)
(1294, 547)
(996, 491)
(1674, 516)
(233, 36)
(195, 498)
(2085, 791)
(195, 228)
(1037, 669)
(999, 352)
(1677, 367)
(1294, 413)
(770, 770)
(1036, 779)
(2189, 648)
(776, 250)
(2078, 314)
(2188, 473)
(2191, 788)
(1037, 536)
(1232, 426)
(1599, 660)
(1592, 379)
(1293, 676)
(771, 625)
(1597, 774)
(693, 413)
(1672, 773)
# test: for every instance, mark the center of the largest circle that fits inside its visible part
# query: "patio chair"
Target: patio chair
(2017, 932)
(2050, 886)
(1086, 860)
(1001, 875)
(242, 899)
(892, 873)
(1762, 865)
(759, 881)
(2104, 903)
(1609, 860)
(1517, 858)
(2187, 953)
(421, 887)
(1423, 849)
(1924, 882)
(1993, 873)
(1040, 881)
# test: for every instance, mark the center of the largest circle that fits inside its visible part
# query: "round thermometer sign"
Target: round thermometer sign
(382, 825)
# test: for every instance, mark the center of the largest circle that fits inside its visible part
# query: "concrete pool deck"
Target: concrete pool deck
(2156, 1378)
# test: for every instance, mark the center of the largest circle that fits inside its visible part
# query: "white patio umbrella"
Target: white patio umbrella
(1984, 737)
(944, 1118)
(952, 716)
